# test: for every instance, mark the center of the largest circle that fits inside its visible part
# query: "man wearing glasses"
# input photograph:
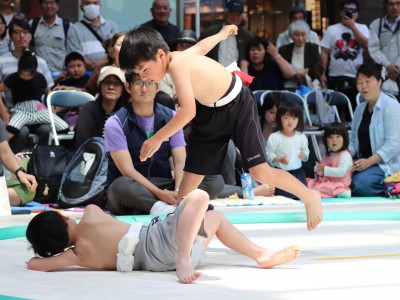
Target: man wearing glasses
(343, 43)
(20, 35)
(137, 187)
(383, 45)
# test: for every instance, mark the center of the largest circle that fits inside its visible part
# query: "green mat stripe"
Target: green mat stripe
(256, 218)
(7, 233)
(4, 297)
(19, 231)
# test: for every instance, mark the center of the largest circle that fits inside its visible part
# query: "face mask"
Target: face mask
(91, 11)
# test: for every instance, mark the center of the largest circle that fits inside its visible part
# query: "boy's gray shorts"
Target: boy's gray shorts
(158, 246)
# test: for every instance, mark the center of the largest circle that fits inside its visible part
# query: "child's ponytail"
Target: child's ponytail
(28, 62)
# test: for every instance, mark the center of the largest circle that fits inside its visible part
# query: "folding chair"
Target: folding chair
(333, 98)
(257, 96)
(65, 98)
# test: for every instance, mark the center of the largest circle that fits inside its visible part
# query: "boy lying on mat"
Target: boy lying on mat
(176, 243)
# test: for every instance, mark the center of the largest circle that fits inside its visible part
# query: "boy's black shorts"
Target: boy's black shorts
(213, 127)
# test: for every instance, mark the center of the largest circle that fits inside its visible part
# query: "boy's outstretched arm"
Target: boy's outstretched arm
(46, 264)
(204, 46)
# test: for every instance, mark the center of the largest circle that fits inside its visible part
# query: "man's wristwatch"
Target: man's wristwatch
(18, 170)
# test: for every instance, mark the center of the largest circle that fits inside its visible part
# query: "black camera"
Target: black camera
(349, 15)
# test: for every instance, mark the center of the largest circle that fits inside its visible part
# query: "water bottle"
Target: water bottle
(247, 186)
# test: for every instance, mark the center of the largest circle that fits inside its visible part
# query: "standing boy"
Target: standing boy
(221, 107)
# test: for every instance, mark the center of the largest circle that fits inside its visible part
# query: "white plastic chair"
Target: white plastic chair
(65, 98)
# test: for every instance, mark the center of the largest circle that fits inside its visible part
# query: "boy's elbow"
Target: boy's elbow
(35, 264)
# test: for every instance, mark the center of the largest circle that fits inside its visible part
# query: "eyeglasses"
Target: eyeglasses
(50, 3)
(393, 3)
(350, 10)
(19, 32)
(112, 82)
(148, 84)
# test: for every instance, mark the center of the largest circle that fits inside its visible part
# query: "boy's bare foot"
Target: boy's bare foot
(313, 210)
(269, 258)
(185, 272)
(264, 190)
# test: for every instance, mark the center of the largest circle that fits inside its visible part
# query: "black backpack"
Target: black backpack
(85, 178)
(47, 164)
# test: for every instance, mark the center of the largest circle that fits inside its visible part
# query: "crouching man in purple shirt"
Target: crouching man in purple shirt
(151, 186)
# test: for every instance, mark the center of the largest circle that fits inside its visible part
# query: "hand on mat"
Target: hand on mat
(169, 197)
(149, 147)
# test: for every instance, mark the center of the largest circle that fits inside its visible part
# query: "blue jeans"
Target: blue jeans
(300, 175)
(368, 183)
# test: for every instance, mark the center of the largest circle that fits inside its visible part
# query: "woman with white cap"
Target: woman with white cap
(93, 115)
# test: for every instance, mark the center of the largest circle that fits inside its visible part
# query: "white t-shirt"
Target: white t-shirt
(345, 53)
(281, 145)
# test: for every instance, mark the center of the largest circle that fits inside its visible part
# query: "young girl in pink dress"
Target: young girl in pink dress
(333, 173)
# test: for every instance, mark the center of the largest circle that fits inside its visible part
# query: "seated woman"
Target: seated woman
(93, 115)
(302, 55)
(375, 136)
(267, 66)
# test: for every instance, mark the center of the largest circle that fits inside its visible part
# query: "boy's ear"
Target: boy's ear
(160, 53)
(127, 88)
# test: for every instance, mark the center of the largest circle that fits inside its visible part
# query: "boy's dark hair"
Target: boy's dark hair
(73, 56)
(293, 109)
(28, 62)
(18, 22)
(3, 20)
(369, 70)
(140, 44)
(131, 76)
(270, 100)
(295, 10)
(48, 233)
(339, 129)
(345, 2)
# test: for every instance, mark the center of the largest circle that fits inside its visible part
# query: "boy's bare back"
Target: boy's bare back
(208, 79)
(98, 235)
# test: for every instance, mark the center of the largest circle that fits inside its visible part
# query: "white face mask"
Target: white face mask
(91, 11)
